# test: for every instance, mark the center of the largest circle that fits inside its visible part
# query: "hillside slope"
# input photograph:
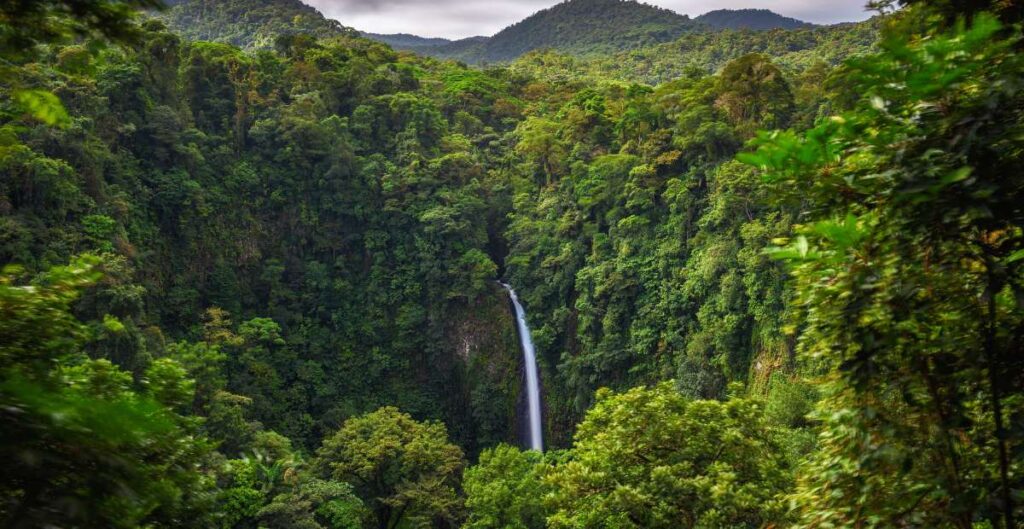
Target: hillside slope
(577, 27)
(405, 41)
(757, 19)
(248, 23)
(708, 51)
(588, 26)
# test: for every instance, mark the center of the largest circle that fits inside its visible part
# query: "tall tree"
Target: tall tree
(651, 458)
(87, 448)
(405, 471)
(505, 490)
(911, 269)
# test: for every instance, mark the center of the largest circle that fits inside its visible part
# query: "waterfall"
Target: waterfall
(532, 376)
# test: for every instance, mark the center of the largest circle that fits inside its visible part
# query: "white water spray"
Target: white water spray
(532, 377)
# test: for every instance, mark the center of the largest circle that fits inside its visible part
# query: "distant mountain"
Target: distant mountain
(588, 26)
(463, 49)
(757, 19)
(248, 23)
(578, 27)
(585, 28)
(405, 41)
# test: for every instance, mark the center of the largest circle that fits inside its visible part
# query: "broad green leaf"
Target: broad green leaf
(43, 105)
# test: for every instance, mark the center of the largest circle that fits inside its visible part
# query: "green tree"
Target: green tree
(314, 504)
(405, 471)
(909, 268)
(26, 27)
(753, 91)
(87, 449)
(505, 490)
(29, 24)
(653, 458)
(540, 144)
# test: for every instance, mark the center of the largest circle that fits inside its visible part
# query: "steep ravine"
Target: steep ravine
(482, 337)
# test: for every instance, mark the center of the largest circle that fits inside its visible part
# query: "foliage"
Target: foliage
(248, 26)
(292, 236)
(225, 167)
(653, 458)
(639, 256)
(754, 91)
(87, 448)
(27, 25)
(907, 266)
(406, 472)
(505, 489)
(758, 19)
(794, 50)
(315, 504)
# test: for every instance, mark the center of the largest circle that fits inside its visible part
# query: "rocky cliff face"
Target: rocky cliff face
(482, 338)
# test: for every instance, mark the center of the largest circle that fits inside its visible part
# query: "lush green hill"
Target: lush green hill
(598, 29)
(405, 41)
(586, 27)
(749, 19)
(794, 50)
(578, 27)
(248, 23)
(634, 34)
(467, 49)
(463, 49)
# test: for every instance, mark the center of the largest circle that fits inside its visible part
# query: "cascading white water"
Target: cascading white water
(532, 376)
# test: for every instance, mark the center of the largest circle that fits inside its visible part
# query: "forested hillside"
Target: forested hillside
(590, 29)
(775, 278)
(585, 31)
(757, 19)
(707, 42)
(803, 52)
(405, 41)
(799, 50)
(586, 27)
(578, 27)
(315, 221)
(248, 24)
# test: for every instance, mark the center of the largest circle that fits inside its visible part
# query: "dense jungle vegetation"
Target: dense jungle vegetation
(248, 24)
(775, 279)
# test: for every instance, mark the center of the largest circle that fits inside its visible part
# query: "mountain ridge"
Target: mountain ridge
(588, 26)
(594, 27)
(755, 19)
(400, 40)
(581, 28)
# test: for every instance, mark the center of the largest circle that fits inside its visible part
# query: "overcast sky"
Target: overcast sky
(466, 18)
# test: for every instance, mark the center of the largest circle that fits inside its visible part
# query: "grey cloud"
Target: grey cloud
(441, 18)
(460, 18)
